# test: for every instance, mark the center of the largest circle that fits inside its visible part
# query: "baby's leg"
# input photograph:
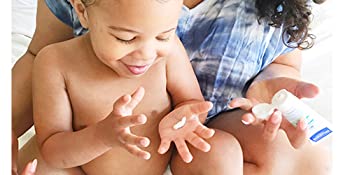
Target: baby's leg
(275, 157)
(30, 151)
(224, 157)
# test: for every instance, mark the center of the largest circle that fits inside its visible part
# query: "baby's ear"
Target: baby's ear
(81, 11)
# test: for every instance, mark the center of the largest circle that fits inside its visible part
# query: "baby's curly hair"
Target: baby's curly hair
(293, 16)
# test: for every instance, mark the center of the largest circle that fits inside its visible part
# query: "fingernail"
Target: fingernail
(33, 166)
(141, 119)
(229, 106)
(207, 149)
(245, 123)
(212, 132)
(248, 122)
(276, 118)
(161, 151)
(147, 156)
(189, 160)
(303, 124)
(145, 142)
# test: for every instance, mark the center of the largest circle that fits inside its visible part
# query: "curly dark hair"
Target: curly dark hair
(294, 18)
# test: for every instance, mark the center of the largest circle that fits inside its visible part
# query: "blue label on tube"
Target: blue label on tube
(320, 134)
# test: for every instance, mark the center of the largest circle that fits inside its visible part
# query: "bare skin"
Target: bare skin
(261, 145)
(22, 111)
(98, 98)
(87, 81)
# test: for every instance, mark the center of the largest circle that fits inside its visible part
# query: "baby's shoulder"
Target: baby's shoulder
(57, 54)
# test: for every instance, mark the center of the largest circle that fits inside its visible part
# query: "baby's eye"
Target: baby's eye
(163, 39)
(125, 41)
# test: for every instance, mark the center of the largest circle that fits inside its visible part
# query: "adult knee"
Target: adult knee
(315, 160)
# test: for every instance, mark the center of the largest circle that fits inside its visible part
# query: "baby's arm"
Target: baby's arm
(182, 83)
(189, 102)
(59, 144)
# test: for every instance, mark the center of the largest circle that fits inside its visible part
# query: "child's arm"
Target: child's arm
(182, 83)
(58, 143)
(184, 89)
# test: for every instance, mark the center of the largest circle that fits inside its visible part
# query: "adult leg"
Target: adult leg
(48, 30)
(224, 157)
(275, 157)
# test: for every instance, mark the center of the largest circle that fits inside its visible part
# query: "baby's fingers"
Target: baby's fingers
(125, 104)
(131, 121)
(201, 107)
(183, 150)
(131, 139)
(138, 152)
(164, 146)
(136, 97)
(119, 105)
(204, 132)
(198, 142)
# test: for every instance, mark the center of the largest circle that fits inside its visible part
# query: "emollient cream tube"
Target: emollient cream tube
(293, 109)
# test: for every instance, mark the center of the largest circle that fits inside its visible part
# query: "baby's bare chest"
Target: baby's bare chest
(92, 97)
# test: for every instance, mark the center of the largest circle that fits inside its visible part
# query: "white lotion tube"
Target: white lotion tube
(293, 109)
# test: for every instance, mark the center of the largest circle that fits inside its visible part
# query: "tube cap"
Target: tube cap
(263, 110)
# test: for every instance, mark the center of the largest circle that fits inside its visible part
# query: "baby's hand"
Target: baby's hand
(174, 127)
(114, 130)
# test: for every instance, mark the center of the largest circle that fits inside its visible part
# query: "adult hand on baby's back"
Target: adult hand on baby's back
(193, 131)
(262, 92)
(114, 130)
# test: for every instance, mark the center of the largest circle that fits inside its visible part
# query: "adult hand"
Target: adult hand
(263, 91)
(193, 131)
(30, 167)
(114, 130)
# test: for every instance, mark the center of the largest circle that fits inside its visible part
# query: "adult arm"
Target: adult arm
(283, 73)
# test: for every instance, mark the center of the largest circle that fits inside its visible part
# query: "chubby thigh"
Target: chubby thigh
(119, 161)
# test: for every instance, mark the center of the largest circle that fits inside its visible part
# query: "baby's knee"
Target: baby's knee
(224, 146)
(224, 157)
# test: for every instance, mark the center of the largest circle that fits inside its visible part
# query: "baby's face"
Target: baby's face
(130, 35)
